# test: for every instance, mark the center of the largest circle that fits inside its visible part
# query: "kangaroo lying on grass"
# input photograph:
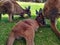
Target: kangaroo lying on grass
(12, 8)
(52, 11)
(26, 29)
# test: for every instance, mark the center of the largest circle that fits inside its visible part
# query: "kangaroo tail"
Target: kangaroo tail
(11, 39)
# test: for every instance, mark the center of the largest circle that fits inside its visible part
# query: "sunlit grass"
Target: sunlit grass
(33, 6)
(59, 19)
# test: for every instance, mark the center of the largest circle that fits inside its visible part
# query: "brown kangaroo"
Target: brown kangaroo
(52, 11)
(26, 29)
(13, 8)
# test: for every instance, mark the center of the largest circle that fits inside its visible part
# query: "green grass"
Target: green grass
(44, 35)
(33, 6)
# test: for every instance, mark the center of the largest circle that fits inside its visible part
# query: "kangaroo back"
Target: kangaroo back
(17, 8)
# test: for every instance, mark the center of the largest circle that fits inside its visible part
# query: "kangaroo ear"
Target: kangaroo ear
(29, 7)
(40, 9)
(37, 12)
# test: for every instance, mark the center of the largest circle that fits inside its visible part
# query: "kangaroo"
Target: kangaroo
(26, 28)
(13, 8)
(52, 12)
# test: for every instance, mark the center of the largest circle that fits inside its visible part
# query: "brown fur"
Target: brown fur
(7, 7)
(52, 11)
(26, 29)
(12, 8)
